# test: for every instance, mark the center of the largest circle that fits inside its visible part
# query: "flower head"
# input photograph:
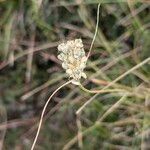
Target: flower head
(73, 59)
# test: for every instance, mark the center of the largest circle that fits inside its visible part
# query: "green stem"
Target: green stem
(99, 91)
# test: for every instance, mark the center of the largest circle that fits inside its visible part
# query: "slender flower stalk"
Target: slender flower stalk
(100, 91)
(43, 112)
(96, 30)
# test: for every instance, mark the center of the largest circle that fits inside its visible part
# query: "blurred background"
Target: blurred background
(30, 71)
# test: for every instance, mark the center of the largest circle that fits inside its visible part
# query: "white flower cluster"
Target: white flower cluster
(73, 59)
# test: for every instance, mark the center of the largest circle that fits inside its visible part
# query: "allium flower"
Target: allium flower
(73, 59)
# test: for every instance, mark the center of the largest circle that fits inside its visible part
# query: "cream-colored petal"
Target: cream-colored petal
(64, 65)
(84, 75)
(69, 71)
(60, 57)
(84, 59)
(61, 46)
(71, 59)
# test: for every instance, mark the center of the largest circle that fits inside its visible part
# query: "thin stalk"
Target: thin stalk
(43, 111)
(96, 29)
(99, 91)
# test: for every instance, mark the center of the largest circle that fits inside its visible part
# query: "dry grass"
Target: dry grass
(111, 104)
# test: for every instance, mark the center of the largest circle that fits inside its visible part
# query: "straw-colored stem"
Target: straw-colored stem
(43, 111)
(96, 29)
(99, 91)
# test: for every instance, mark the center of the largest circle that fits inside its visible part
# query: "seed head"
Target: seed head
(73, 59)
